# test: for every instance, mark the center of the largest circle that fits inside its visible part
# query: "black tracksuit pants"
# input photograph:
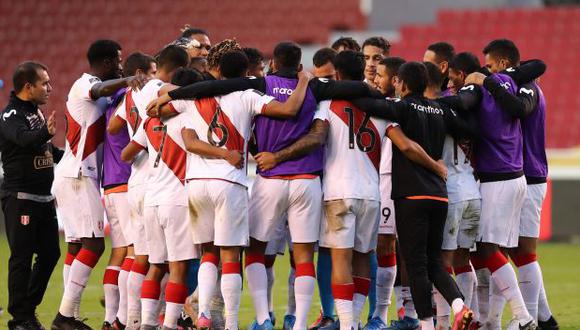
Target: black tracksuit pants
(32, 228)
(420, 225)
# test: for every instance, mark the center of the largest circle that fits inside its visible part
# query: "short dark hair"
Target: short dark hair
(190, 31)
(503, 48)
(465, 62)
(414, 75)
(392, 64)
(172, 57)
(350, 65)
(287, 54)
(444, 51)
(255, 57)
(378, 42)
(136, 61)
(186, 76)
(434, 76)
(346, 42)
(101, 50)
(323, 56)
(26, 72)
(234, 64)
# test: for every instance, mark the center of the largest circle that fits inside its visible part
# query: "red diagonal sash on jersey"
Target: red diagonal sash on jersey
(374, 154)
(131, 111)
(73, 132)
(171, 153)
(95, 136)
(217, 120)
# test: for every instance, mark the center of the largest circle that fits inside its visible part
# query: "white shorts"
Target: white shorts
(300, 199)
(117, 210)
(350, 223)
(277, 245)
(387, 224)
(136, 197)
(80, 206)
(501, 208)
(461, 225)
(532, 210)
(168, 234)
(218, 212)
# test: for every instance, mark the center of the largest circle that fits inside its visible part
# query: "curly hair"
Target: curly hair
(219, 49)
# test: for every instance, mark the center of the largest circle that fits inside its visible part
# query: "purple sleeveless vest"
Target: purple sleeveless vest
(499, 147)
(115, 171)
(534, 132)
(276, 134)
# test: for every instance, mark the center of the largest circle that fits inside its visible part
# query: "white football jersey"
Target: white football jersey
(353, 152)
(166, 163)
(133, 111)
(85, 131)
(225, 122)
(461, 184)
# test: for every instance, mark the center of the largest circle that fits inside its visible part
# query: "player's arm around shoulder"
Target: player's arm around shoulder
(194, 145)
(414, 152)
(292, 106)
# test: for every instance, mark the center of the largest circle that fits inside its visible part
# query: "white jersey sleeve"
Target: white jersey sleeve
(180, 106)
(254, 102)
(140, 138)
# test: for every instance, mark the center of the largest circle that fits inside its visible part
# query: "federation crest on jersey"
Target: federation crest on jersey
(24, 220)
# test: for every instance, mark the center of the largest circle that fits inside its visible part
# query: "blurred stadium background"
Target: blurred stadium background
(58, 34)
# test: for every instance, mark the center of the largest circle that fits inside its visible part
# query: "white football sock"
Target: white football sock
(207, 283)
(530, 282)
(111, 289)
(271, 277)
(384, 284)
(79, 274)
(258, 286)
(231, 286)
(304, 284)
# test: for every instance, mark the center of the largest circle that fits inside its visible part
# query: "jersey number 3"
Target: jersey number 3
(364, 146)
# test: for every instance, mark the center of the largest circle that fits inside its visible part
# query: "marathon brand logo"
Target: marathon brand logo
(427, 109)
(46, 161)
(283, 91)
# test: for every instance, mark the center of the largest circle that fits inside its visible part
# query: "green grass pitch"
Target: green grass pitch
(560, 266)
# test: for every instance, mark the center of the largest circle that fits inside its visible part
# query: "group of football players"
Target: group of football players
(418, 177)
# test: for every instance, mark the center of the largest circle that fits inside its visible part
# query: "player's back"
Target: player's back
(134, 113)
(115, 171)
(499, 147)
(85, 130)
(424, 121)
(353, 152)
(166, 162)
(275, 134)
(224, 122)
(461, 184)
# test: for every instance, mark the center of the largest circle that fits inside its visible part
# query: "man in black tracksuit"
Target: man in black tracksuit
(29, 211)
(420, 196)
